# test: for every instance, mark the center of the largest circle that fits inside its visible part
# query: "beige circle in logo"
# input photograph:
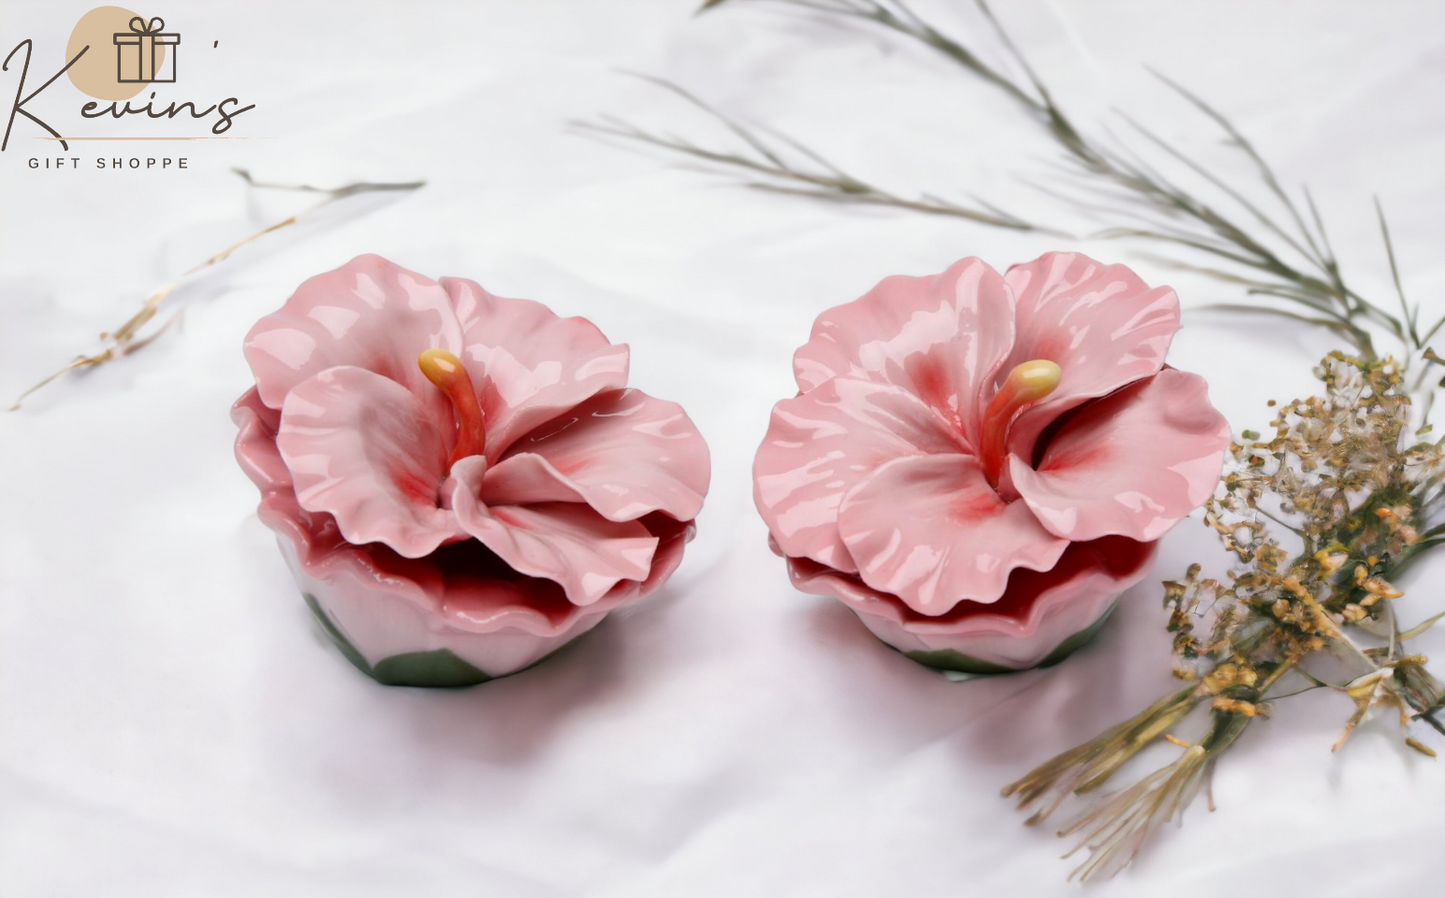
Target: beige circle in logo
(97, 72)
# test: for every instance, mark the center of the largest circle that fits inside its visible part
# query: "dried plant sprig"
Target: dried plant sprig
(332, 194)
(126, 339)
(773, 162)
(1358, 494)
(1287, 259)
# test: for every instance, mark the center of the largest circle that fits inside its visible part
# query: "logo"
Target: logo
(113, 54)
(141, 57)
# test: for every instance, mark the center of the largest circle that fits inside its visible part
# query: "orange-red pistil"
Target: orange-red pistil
(450, 376)
(1026, 384)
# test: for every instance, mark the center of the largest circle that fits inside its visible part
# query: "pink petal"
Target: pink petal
(463, 584)
(1039, 610)
(932, 531)
(673, 537)
(1103, 326)
(821, 443)
(362, 448)
(565, 542)
(527, 479)
(941, 338)
(480, 590)
(622, 452)
(527, 364)
(1133, 463)
(1115, 562)
(368, 314)
(256, 451)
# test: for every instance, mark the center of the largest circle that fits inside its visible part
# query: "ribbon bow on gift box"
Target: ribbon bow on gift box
(141, 26)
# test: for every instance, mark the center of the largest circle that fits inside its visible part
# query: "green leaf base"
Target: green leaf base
(958, 666)
(438, 669)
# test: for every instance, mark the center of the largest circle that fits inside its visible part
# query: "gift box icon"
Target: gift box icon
(140, 54)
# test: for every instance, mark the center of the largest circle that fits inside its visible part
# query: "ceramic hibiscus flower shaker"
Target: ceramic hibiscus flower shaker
(460, 483)
(979, 464)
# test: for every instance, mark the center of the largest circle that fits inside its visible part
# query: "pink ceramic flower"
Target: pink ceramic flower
(460, 482)
(979, 464)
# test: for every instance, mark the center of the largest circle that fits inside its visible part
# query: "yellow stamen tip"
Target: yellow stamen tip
(448, 374)
(1026, 384)
(440, 367)
(1035, 379)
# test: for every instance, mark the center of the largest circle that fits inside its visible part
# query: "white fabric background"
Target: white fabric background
(171, 722)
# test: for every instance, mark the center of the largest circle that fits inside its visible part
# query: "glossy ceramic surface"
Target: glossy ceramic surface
(913, 472)
(1044, 617)
(578, 498)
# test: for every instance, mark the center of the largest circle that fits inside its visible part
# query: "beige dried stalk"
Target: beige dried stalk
(127, 339)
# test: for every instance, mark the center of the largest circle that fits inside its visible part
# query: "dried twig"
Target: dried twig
(1285, 259)
(126, 339)
(775, 163)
